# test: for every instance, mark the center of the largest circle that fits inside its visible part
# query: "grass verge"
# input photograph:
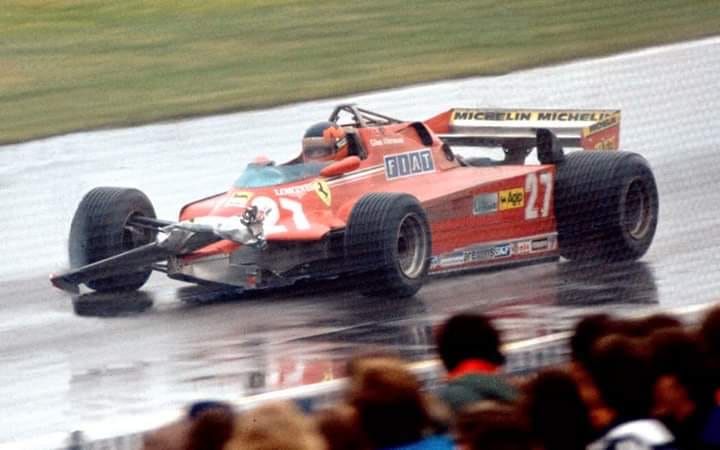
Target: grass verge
(70, 65)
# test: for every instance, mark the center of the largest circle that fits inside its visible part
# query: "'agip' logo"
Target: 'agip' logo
(512, 198)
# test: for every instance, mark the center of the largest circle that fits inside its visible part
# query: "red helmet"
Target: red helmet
(324, 141)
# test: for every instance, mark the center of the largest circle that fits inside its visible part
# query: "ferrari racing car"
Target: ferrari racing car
(388, 202)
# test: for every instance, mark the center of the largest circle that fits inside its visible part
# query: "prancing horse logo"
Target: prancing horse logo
(323, 191)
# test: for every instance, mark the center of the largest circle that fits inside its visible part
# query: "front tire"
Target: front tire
(606, 206)
(102, 228)
(388, 239)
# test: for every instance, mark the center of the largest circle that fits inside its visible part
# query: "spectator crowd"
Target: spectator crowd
(631, 384)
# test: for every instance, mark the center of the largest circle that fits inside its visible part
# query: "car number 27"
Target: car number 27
(536, 207)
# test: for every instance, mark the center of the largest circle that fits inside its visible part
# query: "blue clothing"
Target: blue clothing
(428, 443)
(711, 435)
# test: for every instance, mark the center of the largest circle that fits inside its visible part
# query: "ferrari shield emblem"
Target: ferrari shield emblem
(323, 191)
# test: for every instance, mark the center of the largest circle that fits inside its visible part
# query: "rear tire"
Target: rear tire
(100, 229)
(606, 206)
(388, 239)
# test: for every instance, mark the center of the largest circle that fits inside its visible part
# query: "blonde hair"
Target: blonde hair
(275, 426)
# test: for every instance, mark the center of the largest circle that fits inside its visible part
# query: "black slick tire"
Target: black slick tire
(388, 240)
(100, 229)
(606, 206)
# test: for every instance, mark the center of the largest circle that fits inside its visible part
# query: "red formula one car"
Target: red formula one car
(388, 202)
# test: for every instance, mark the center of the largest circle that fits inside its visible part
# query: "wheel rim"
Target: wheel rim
(637, 209)
(411, 246)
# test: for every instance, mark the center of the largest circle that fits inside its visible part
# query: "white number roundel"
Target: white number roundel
(272, 213)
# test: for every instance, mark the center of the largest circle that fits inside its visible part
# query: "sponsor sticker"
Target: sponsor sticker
(502, 251)
(295, 191)
(485, 203)
(323, 191)
(239, 199)
(469, 115)
(453, 259)
(512, 198)
(604, 124)
(488, 253)
(408, 164)
(539, 245)
(521, 248)
(544, 244)
(460, 115)
(479, 253)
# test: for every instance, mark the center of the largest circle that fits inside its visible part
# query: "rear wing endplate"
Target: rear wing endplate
(517, 128)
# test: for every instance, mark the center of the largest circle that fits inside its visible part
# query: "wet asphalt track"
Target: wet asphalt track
(66, 363)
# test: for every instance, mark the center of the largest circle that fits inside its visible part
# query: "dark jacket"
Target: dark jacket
(474, 387)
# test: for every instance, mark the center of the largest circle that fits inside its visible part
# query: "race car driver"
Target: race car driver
(324, 141)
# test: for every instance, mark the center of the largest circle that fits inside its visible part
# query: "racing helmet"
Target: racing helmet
(324, 141)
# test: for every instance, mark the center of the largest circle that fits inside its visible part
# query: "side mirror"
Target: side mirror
(345, 165)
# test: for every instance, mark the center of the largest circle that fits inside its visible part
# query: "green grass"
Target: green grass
(69, 65)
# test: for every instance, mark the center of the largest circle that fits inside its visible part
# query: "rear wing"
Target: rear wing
(517, 128)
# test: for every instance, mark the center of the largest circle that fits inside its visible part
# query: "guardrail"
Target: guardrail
(523, 357)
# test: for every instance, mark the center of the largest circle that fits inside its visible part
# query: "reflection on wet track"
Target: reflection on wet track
(168, 345)
(67, 362)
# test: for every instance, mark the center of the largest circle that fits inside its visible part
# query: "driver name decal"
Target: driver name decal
(295, 191)
(408, 164)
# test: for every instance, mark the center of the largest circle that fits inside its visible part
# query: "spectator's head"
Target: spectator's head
(275, 426)
(489, 425)
(595, 326)
(211, 427)
(656, 322)
(587, 331)
(340, 426)
(710, 331)
(557, 416)
(391, 410)
(709, 335)
(469, 336)
(683, 386)
(620, 369)
(198, 408)
(206, 426)
(173, 436)
(368, 357)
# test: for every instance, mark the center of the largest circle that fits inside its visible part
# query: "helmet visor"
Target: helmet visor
(318, 148)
